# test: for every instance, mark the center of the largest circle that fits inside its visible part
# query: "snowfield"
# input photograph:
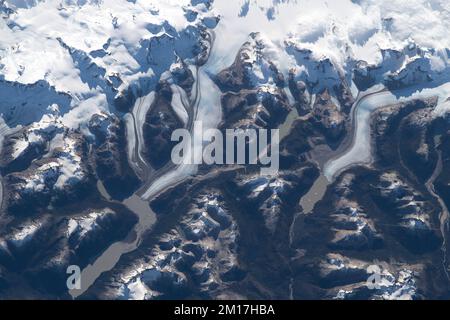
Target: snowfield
(86, 54)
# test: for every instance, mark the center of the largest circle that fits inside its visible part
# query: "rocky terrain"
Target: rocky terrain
(89, 101)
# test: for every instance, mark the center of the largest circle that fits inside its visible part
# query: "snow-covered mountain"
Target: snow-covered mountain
(90, 91)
